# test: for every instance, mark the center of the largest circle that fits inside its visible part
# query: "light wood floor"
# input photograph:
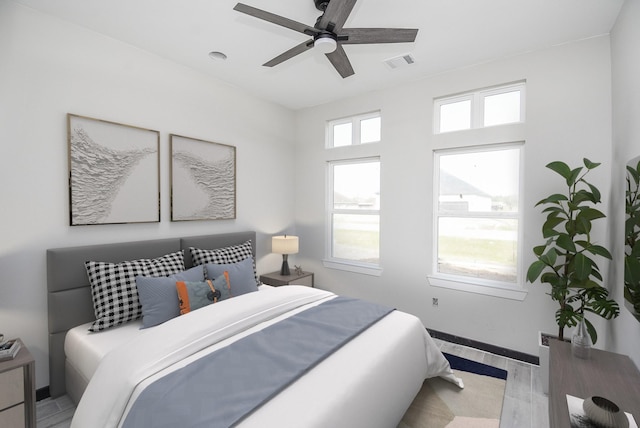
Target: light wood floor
(525, 405)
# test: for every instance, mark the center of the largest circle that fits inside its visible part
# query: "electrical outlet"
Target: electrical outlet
(434, 301)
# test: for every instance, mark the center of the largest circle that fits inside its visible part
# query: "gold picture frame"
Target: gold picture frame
(114, 172)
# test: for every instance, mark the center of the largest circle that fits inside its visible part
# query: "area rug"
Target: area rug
(441, 404)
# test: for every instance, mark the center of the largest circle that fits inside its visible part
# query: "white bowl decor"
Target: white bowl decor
(605, 413)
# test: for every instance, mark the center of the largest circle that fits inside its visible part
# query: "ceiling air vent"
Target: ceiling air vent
(399, 61)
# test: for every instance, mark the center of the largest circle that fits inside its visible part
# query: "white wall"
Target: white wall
(49, 68)
(625, 54)
(568, 118)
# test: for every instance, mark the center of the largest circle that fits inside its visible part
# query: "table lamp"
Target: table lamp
(285, 245)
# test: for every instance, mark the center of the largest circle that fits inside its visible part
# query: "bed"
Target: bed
(365, 380)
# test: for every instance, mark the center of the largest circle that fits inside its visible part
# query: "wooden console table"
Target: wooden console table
(609, 375)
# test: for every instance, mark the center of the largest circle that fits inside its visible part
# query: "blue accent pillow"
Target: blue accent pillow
(158, 295)
(241, 275)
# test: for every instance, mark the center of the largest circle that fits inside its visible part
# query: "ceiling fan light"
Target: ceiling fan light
(325, 44)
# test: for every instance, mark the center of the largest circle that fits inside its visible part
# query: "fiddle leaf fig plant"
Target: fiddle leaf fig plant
(567, 259)
(632, 239)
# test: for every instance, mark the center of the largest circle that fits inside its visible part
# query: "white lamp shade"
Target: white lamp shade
(286, 244)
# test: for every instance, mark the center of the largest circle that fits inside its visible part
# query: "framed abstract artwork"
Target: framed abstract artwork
(114, 172)
(203, 180)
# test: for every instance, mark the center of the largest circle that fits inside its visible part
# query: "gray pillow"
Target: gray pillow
(159, 297)
(241, 275)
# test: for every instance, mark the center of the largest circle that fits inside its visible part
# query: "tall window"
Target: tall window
(477, 213)
(354, 210)
(477, 219)
(353, 194)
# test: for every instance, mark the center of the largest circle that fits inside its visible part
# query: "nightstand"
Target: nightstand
(276, 280)
(17, 391)
(607, 374)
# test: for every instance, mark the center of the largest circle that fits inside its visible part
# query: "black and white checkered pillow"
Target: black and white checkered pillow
(223, 256)
(167, 264)
(113, 287)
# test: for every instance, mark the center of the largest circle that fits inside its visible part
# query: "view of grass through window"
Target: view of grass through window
(477, 225)
(356, 237)
(355, 220)
(488, 249)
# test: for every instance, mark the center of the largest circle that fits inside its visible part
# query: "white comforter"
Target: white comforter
(370, 382)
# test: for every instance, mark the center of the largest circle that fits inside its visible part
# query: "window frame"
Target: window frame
(440, 102)
(330, 260)
(495, 288)
(477, 105)
(356, 137)
(519, 87)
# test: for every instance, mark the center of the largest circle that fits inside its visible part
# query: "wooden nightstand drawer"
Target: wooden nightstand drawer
(11, 388)
(17, 391)
(13, 417)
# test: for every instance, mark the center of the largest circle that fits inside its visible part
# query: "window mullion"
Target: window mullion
(474, 214)
(477, 111)
(355, 128)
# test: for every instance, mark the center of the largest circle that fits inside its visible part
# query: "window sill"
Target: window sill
(513, 293)
(362, 268)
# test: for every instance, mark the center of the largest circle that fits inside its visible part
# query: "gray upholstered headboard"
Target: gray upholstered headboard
(69, 292)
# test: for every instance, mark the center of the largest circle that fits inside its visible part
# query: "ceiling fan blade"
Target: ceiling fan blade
(336, 15)
(275, 19)
(289, 54)
(340, 61)
(378, 35)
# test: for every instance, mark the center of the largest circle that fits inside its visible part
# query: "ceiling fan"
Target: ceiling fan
(328, 34)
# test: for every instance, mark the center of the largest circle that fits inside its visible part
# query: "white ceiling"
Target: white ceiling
(452, 34)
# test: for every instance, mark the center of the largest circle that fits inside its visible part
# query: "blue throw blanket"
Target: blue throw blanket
(222, 388)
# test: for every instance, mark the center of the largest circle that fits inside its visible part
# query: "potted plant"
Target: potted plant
(566, 261)
(632, 240)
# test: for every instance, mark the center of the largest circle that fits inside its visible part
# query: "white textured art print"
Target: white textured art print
(203, 180)
(114, 172)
